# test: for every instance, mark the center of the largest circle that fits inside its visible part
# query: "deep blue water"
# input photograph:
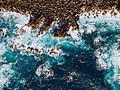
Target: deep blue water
(80, 58)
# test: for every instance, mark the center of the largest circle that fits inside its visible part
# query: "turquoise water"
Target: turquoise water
(89, 62)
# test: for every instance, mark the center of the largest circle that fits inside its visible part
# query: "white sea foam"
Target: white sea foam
(5, 74)
(5, 69)
(74, 33)
(108, 56)
(87, 28)
(45, 70)
(109, 59)
(19, 18)
(2, 48)
(46, 41)
(86, 25)
(101, 18)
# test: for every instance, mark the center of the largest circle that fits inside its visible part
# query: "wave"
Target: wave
(37, 54)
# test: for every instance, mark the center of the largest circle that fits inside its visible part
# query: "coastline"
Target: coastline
(65, 12)
(39, 44)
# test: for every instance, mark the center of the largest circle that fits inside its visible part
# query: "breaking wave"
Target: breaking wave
(26, 56)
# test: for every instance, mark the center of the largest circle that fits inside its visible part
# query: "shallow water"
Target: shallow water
(80, 62)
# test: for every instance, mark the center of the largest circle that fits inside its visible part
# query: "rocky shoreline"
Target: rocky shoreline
(52, 10)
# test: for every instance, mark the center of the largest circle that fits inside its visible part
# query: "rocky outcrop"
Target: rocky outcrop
(49, 10)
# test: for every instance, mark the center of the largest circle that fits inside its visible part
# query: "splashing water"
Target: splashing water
(27, 58)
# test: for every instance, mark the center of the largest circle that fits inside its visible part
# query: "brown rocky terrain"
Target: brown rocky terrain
(64, 10)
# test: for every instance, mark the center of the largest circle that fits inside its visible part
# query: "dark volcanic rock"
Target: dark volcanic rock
(62, 9)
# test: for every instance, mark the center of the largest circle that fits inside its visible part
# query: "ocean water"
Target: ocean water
(86, 61)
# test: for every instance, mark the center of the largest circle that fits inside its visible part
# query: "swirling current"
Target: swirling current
(89, 60)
